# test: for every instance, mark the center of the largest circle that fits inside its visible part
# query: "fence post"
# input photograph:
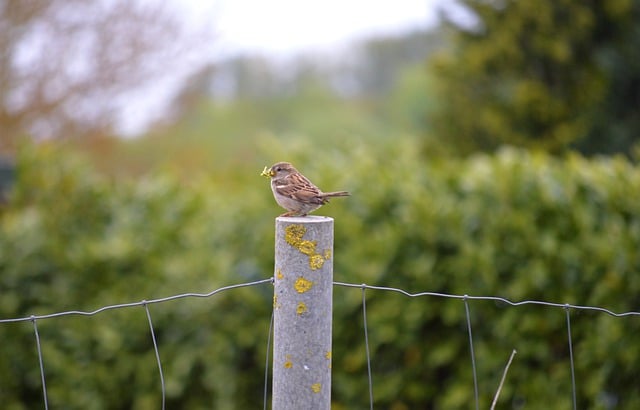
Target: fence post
(303, 307)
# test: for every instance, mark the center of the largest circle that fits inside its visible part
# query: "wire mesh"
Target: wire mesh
(363, 287)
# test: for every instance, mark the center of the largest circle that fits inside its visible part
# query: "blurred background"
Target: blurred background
(490, 147)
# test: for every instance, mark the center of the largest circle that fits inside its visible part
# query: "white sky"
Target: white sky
(283, 27)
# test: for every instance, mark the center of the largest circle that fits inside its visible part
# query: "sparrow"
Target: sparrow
(294, 192)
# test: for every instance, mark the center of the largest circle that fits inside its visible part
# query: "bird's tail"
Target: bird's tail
(333, 194)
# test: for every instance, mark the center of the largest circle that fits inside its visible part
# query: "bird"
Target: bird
(294, 192)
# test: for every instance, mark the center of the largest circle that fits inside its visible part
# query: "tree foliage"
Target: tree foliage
(546, 74)
(514, 224)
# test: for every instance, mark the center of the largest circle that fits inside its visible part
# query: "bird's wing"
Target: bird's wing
(297, 187)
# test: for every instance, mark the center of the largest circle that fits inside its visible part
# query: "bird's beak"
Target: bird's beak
(267, 172)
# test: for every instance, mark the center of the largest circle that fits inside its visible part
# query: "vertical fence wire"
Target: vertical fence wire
(573, 375)
(366, 344)
(44, 383)
(266, 363)
(473, 356)
(157, 352)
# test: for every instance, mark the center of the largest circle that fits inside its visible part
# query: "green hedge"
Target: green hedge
(516, 224)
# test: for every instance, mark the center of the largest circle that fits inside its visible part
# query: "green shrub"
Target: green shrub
(516, 224)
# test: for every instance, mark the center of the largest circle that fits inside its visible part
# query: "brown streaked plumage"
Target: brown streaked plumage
(294, 192)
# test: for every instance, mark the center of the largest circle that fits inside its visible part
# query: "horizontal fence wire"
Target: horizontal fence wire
(142, 303)
(364, 287)
(488, 298)
(133, 304)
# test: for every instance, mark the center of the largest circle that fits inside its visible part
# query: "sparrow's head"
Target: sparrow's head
(279, 170)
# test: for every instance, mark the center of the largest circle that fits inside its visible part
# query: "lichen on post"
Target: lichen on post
(302, 315)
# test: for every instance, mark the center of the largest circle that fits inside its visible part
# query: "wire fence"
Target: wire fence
(363, 287)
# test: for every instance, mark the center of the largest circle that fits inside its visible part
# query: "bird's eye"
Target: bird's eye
(278, 169)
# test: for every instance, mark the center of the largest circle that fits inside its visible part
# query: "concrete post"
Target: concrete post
(303, 302)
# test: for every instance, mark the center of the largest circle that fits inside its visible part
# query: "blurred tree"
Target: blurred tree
(370, 68)
(66, 66)
(551, 74)
(382, 60)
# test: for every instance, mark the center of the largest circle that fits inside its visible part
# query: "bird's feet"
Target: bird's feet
(292, 213)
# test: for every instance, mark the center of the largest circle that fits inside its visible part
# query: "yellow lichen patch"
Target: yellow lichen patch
(293, 234)
(328, 356)
(275, 302)
(316, 387)
(287, 362)
(316, 261)
(327, 254)
(302, 285)
(302, 308)
(307, 247)
(279, 274)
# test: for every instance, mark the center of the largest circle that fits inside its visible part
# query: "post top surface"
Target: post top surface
(304, 219)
